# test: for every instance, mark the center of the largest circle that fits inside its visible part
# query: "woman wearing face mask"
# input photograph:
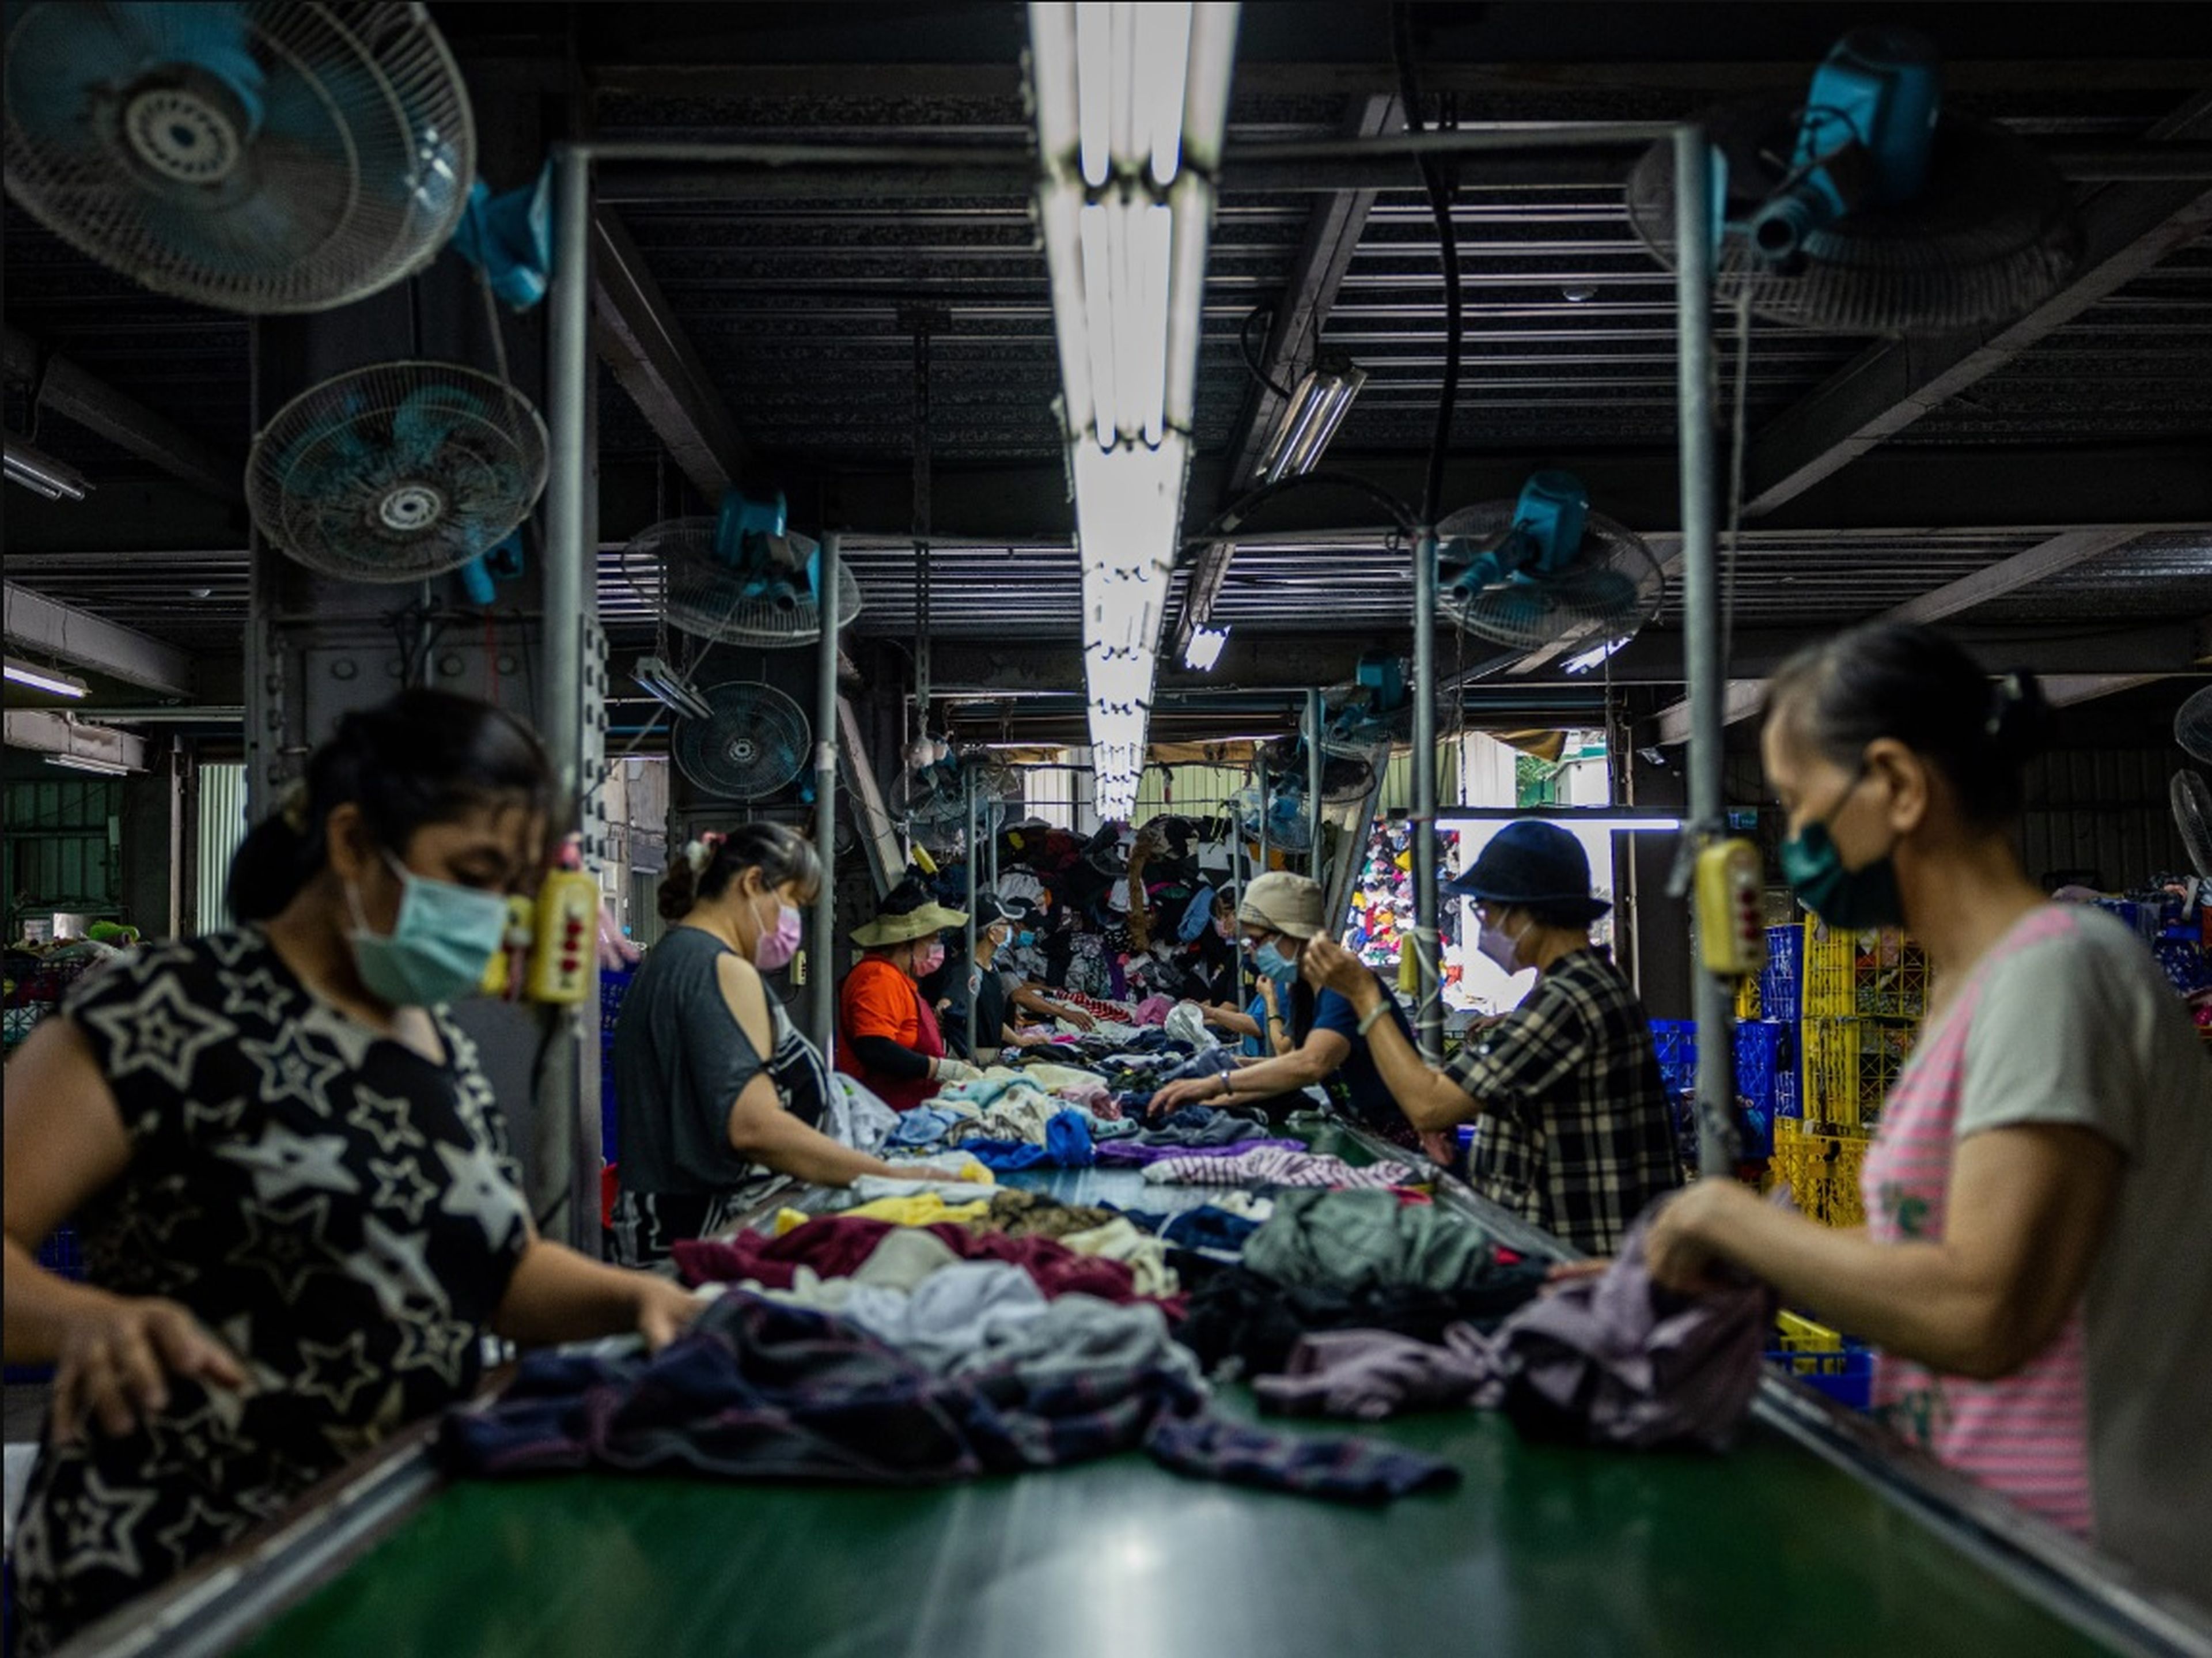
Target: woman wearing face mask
(889, 1036)
(717, 1092)
(1280, 918)
(290, 1179)
(1571, 1129)
(2036, 1264)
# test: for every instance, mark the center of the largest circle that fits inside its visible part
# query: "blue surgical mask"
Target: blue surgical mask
(438, 948)
(1272, 963)
(1854, 900)
(1027, 939)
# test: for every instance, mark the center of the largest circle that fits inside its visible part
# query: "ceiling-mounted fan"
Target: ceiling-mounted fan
(1526, 573)
(1869, 207)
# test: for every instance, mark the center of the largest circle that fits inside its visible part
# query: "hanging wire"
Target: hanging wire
(1252, 363)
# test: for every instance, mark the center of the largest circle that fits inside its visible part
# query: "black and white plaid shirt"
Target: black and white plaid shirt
(1575, 1134)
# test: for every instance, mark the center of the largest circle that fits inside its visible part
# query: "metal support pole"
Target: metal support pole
(1313, 789)
(823, 966)
(1693, 322)
(566, 1161)
(1428, 1011)
(968, 787)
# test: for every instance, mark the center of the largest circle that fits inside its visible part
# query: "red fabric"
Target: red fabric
(879, 1000)
(835, 1245)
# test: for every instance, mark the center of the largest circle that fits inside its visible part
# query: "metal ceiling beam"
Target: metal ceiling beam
(40, 731)
(59, 384)
(85, 640)
(1002, 80)
(2066, 690)
(638, 337)
(2037, 563)
(1333, 231)
(2127, 229)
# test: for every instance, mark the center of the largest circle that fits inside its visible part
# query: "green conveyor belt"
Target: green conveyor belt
(1543, 1549)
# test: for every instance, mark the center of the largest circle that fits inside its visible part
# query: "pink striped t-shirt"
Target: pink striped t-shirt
(2026, 1434)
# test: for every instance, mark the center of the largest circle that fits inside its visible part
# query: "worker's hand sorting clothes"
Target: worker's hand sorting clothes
(1074, 1015)
(1677, 1249)
(1191, 1090)
(950, 1070)
(117, 1356)
(1326, 965)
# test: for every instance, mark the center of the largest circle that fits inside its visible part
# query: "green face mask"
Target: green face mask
(1852, 899)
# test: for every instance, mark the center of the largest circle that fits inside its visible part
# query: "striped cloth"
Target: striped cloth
(2027, 1435)
(1274, 1165)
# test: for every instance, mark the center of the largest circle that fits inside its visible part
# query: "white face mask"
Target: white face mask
(1500, 946)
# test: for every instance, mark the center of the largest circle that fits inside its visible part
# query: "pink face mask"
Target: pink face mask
(931, 958)
(773, 949)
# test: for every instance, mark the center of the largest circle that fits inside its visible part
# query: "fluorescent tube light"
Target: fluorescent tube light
(51, 680)
(40, 473)
(1131, 97)
(1309, 420)
(670, 689)
(1205, 648)
(85, 763)
(1590, 658)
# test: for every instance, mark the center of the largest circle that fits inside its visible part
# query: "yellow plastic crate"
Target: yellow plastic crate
(1822, 1171)
(1747, 1001)
(1849, 1068)
(1800, 1334)
(1880, 975)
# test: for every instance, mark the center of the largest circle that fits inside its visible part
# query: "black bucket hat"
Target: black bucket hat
(1533, 864)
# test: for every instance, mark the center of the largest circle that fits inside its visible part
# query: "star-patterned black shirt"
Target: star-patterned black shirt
(338, 1209)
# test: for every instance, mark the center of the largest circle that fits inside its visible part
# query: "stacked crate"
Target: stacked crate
(1863, 997)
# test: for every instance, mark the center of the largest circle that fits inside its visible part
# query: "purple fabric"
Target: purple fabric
(1616, 1360)
(1612, 1360)
(1131, 1154)
(1370, 1373)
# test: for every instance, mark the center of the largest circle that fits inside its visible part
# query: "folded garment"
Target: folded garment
(1145, 1255)
(1268, 1165)
(834, 1246)
(1355, 1241)
(758, 1391)
(922, 1209)
(1369, 1375)
(1032, 1214)
(1237, 1319)
(1136, 1154)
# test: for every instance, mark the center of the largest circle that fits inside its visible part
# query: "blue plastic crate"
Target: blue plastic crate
(1766, 1052)
(614, 985)
(1780, 997)
(1677, 1043)
(1846, 1376)
(2187, 966)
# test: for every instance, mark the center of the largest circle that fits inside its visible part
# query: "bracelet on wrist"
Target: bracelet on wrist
(1367, 1019)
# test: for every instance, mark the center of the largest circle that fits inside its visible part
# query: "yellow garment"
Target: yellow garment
(926, 1209)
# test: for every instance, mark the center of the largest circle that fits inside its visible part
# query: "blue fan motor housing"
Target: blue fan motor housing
(1865, 140)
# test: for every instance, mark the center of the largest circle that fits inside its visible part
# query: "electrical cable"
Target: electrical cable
(1441, 188)
(1252, 362)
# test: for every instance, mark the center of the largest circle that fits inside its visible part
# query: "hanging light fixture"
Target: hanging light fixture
(1310, 419)
(1131, 100)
